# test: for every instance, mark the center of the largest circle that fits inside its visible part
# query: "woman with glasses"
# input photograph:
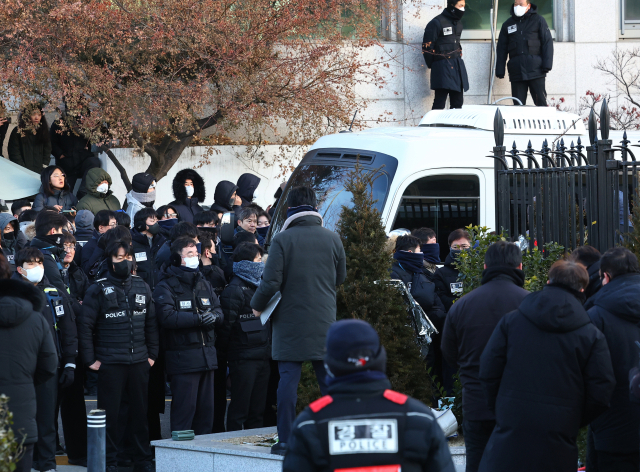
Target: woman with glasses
(54, 191)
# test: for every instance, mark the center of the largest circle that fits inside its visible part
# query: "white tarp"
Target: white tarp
(17, 181)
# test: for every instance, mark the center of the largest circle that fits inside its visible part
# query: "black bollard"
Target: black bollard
(96, 441)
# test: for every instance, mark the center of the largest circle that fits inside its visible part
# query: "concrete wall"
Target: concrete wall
(214, 164)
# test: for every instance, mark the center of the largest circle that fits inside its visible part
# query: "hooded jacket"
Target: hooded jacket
(247, 185)
(27, 353)
(188, 207)
(308, 305)
(11, 246)
(616, 312)
(528, 43)
(83, 234)
(595, 284)
(94, 201)
(28, 152)
(447, 286)
(222, 196)
(65, 199)
(546, 372)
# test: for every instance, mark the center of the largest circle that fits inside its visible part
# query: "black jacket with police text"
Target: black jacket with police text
(447, 286)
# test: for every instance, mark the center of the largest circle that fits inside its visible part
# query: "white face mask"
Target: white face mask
(519, 10)
(255, 194)
(102, 188)
(189, 191)
(192, 262)
(34, 275)
(461, 8)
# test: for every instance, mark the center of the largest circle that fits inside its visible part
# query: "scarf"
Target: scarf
(53, 239)
(501, 272)
(168, 224)
(299, 209)
(143, 198)
(263, 231)
(409, 261)
(431, 253)
(357, 377)
(249, 271)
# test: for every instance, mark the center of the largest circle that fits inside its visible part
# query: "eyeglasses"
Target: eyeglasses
(170, 215)
(69, 247)
(57, 176)
(113, 225)
(460, 246)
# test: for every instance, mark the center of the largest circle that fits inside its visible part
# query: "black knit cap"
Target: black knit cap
(141, 182)
(353, 346)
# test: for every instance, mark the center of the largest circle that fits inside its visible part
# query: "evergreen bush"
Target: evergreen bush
(10, 448)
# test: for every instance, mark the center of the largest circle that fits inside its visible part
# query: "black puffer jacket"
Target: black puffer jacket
(222, 196)
(447, 286)
(77, 281)
(242, 333)
(83, 236)
(74, 148)
(528, 43)
(145, 255)
(28, 151)
(595, 284)
(27, 353)
(87, 252)
(247, 185)
(65, 337)
(118, 322)
(215, 276)
(546, 372)
(180, 295)
(447, 70)
(188, 207)
(469, 326)
(616, 312)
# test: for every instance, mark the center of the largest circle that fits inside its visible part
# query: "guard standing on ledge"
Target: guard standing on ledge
(442, 52)
(526, 38)
(363, 425)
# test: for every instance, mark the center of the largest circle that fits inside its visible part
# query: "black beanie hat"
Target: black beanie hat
(353, 346)
(141, 182)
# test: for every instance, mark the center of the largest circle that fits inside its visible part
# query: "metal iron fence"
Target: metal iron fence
(568, 195)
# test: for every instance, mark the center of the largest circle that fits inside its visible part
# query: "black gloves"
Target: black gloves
(67, 376)
(208, 320)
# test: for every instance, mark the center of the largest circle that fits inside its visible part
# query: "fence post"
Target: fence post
(606, 228)
(96, 441)
(499, 152)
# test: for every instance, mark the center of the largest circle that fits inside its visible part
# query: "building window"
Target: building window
(630, 15)
(477, 14)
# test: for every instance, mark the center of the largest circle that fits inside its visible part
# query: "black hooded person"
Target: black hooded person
(360, 410)
(247, 186)
(188, 191)
(442, 53)
(225, 198)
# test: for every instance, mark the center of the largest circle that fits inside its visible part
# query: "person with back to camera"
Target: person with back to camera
(361, 424)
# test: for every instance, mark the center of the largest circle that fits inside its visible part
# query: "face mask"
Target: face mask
(458, 13)
(455, 253)
(34, 275)
(191, 262)
(102, 188)
(189, 191)
(232, 201)
(154, 229)
(122, 269)
(9, 236)
(53, 239)
(255, 194)
(263, 231)
(519, 10)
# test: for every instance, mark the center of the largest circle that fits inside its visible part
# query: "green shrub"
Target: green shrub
(10, 448)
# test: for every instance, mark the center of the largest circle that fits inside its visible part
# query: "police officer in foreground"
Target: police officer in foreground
(362, 424)
(442, 52)
(188, 311)
(119, 339)
(526, 38)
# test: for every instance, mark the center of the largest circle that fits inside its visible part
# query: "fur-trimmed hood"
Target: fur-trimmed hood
(17, 301)
(180, 194)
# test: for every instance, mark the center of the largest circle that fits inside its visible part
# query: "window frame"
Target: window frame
(628, 29)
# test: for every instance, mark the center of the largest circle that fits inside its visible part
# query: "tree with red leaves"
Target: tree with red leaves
(155, 74)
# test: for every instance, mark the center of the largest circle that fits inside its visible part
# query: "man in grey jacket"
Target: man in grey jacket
(306, 263)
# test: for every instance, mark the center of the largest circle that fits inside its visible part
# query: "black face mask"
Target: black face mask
(9, 236)
(121, 270)
(232, 202)
(53, 239)
(457, 13)
(154, 229)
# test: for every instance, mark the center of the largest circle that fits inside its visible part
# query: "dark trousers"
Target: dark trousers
(44, 452)
(535, 86)
(74, 416)
(270, 417)
(220, 393)
(476, 437)
(24, 464)
(91, 379)
(249, 381)
(288, 393)
(456, 99)
(192, 402)
(114, 382)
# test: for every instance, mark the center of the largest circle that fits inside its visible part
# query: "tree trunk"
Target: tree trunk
(166, 158)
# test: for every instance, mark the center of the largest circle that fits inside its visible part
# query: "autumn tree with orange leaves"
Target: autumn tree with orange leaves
(155, 74)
